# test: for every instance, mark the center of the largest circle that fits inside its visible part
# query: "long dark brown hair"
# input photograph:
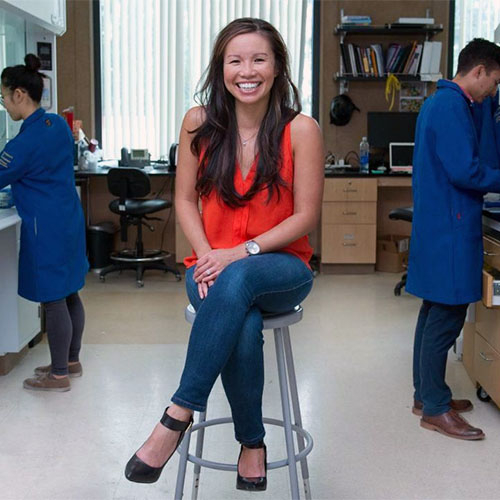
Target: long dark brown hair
(217, 136)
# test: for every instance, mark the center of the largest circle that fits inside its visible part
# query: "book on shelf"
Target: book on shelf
(415, 63)
(415, 20)
(392, 53)
(356, 20)
(346, 69)
(379, 56)
(352, 60)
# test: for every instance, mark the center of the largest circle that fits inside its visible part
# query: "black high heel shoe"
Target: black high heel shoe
(252, 483)
(139, 471)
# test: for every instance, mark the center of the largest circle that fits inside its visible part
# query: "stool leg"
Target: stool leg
(199, 450)
(181, 472)
(292, 382)
(287, 419)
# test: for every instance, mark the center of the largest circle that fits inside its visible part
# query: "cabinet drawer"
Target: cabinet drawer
(487, 367)
(348, 244)
(350, 190)
(488, 324)
(491, 252)
(349, 212)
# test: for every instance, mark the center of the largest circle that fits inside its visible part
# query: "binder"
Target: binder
(436, 57)
(425, 66)
(345, 60)
(352, 60)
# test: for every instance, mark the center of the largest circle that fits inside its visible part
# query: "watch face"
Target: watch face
(252, 247)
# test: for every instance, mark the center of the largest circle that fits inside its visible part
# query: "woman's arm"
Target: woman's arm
(308, 150)
(186, 196)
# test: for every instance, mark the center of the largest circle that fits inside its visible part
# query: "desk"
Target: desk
(355, 209)
(96, 198)
(20, 317)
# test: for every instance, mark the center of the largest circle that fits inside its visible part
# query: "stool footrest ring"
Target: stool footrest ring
(233, 467)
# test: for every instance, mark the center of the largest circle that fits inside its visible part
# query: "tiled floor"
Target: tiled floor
(353, 361)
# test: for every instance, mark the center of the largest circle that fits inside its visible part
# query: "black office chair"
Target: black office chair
(406, 214)
(131, 184)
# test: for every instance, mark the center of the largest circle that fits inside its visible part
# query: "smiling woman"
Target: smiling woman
(256, 165)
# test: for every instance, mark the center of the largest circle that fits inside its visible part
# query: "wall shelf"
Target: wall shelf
(388, 29)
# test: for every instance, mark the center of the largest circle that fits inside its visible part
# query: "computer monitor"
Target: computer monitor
(385, 127)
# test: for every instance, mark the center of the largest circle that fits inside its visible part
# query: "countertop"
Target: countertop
(8, 217)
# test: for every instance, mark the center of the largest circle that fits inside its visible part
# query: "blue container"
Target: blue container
(6, 199)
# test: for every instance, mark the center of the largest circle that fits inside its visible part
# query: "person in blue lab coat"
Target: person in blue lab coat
(446, 257)
(38, 164)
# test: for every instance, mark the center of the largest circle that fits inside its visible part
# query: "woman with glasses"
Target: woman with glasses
(38, 164)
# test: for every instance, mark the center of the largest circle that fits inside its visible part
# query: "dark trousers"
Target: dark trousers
(438, 326)
(65, 320)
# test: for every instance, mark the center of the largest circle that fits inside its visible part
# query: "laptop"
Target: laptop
(401, 156)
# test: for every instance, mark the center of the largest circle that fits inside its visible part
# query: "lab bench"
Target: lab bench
(20, 317)
(481, 335)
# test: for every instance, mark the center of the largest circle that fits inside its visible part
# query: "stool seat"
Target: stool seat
(279, 323)
(271, 320)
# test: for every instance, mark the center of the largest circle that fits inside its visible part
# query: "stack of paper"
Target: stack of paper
(357, 20)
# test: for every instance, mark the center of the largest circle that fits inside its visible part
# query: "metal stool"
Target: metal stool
(279, 323)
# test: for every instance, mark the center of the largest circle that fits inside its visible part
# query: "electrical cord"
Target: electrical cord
(350, 156)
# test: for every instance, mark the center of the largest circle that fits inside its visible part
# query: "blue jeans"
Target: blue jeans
(227, 339)
(438, 326)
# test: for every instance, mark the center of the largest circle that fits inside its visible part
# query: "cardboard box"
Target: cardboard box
(392, 253)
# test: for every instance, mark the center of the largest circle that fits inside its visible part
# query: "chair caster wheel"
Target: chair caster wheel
(102, 278)
(397, 291)
(178, 277)
(482, 395)
(140, 283)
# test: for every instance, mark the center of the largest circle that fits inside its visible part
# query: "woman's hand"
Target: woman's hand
(213, 263)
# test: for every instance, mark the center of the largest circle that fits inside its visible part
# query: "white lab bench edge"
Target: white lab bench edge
(20, 318)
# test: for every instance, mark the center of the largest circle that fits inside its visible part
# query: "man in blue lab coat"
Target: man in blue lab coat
(446, 259)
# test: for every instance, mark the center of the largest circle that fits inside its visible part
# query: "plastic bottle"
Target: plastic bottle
(364, 156)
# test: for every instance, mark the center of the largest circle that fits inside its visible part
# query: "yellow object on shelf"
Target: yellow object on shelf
(392, 85)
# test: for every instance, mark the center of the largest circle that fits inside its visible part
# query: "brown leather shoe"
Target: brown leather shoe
(47, 382)
(74, 370)
(451, 424)
(459, 405)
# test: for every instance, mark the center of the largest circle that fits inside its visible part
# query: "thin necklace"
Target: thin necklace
(245, 142)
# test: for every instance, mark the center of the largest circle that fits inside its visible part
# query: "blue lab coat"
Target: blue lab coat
(38, 164)
(446, 251)
(486, 117)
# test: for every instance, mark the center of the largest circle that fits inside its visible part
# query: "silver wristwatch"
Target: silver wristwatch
(252, 247)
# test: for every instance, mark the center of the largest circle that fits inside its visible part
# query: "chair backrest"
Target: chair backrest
(127, 182)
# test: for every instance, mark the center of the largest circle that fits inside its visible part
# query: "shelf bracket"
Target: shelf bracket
(343, 87)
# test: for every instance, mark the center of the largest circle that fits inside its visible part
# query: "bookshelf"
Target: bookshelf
(351, 61)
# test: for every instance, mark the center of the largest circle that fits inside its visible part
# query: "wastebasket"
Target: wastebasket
(100, 244)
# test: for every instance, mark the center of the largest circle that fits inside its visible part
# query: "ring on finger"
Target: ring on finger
(208, 272)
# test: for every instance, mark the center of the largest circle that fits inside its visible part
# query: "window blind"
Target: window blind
(153, 53)
(474, 19)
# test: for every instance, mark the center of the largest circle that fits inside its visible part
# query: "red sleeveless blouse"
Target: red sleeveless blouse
(226, 227)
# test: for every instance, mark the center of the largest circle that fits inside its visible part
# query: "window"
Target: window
(153, 53)
(474, 19)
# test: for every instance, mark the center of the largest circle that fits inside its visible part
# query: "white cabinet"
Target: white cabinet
(19, 318)
(50, 14)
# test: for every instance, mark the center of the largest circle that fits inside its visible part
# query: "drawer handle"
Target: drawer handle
(350, 190)
(349, 244)
(484, 357)
(345, 212)
(490, 254)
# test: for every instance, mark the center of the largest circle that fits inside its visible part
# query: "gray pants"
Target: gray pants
(65, 320)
